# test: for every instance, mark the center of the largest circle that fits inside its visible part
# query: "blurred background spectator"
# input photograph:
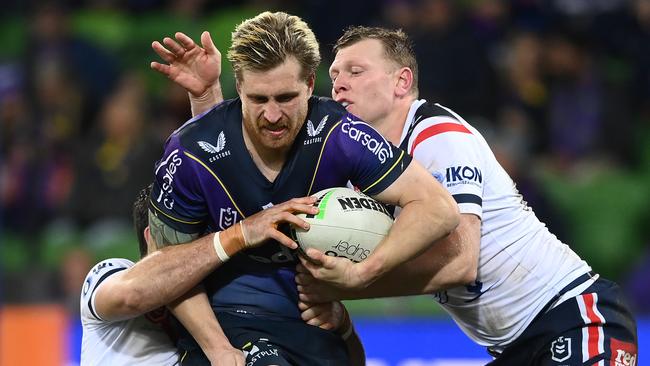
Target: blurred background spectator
(561, 89)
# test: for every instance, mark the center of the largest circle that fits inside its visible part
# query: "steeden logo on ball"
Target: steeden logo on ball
(349, 224)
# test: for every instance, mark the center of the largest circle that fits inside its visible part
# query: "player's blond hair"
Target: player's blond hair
(267, 40)
(397, 46)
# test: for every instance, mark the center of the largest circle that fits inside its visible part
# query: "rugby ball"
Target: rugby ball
(349, 224)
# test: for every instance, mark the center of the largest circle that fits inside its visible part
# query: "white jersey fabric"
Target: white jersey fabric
(137, 341)
(522, 266)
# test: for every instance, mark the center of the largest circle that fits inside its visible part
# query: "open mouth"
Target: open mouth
(346, 104)
(275, 131)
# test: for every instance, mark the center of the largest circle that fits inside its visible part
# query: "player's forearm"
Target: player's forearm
(168, 273)
(203, 103)
(453, 260)
(420, 224)
(440, 267)
(193, 310)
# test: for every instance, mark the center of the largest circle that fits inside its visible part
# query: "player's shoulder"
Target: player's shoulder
(96, 276)
(103, 270)
(429, 110)
(323, 115)
(111, 263)
(106, 268)
(429, 114)
(322, 107)
(432, 121)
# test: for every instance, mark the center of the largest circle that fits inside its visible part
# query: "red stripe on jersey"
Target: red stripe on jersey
(438, 129)
(594, 338)
(590, 304)
(593, 331)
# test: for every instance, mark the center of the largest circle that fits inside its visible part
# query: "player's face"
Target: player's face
(274, 104)
(364, 81)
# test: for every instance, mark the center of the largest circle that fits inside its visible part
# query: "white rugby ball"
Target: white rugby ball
(349, 224)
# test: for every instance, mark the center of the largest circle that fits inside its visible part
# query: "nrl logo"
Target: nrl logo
(216, 150)
(227, 218)
(561, 349)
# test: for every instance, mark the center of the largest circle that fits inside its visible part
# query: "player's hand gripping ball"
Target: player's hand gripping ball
(349, 224)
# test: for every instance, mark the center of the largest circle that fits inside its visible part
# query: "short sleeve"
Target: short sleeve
(451, 152)
(96, 276)
(375, 162)
(176, 197)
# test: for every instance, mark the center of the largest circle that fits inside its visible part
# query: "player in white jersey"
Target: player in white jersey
(122, 314)
(508, 282)
(137, 341)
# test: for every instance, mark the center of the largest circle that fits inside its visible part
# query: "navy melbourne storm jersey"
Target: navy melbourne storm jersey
(207, 181)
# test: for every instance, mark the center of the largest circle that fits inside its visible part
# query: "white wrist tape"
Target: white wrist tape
(221, 253)
(241, 226)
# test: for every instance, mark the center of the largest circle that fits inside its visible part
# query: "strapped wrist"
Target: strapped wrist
(228, 242)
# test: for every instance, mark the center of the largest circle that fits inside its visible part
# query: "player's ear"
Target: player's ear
(148, 238)
(404, 81)
(311, 80)
(237, 86)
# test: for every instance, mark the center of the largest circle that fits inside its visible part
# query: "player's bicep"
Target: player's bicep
(374, 163)
(110, 300)
(402, 191)
(98, 294)
(165, 235)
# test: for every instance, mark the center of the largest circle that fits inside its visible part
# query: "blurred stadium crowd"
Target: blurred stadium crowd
(560, 88)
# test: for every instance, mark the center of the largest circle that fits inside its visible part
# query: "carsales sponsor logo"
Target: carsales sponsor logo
(380, 148)
(170, 166)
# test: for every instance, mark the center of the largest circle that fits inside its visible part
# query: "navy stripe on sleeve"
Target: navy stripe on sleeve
(90, 298)
(468, 198)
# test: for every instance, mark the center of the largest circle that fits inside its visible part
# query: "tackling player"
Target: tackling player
(122, 304)
(247, 155)
(508, 282)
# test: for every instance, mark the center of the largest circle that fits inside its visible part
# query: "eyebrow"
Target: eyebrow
(291, 94)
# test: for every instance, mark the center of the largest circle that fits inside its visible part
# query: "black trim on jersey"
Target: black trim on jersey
(101, 279)
(479, 294)
(468, 198)
(426, 110)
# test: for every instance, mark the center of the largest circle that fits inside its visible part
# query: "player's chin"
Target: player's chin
(277, 141)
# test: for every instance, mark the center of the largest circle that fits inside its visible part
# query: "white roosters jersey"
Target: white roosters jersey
(137, 341)
(521, 264)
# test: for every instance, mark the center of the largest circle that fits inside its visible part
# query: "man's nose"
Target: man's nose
(272, 112)
(340, 84)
